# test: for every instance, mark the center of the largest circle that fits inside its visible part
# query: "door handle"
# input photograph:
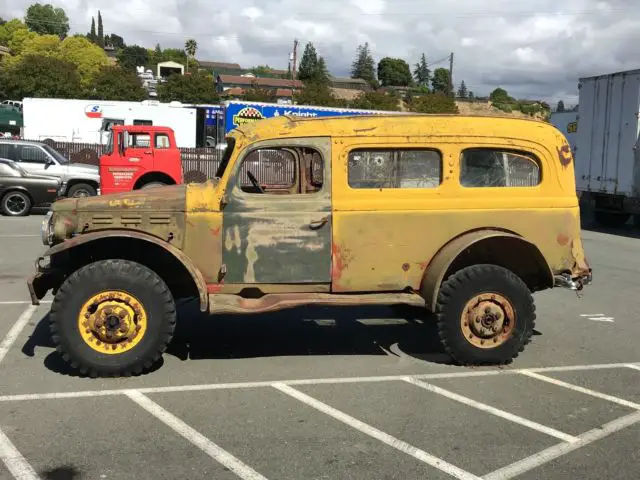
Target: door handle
(148, 152)
(318, 224)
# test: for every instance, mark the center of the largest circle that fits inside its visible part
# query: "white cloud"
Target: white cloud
(532, 50)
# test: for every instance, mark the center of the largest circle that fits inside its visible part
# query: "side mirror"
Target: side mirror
(48, 163)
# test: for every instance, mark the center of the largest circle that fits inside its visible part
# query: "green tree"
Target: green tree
(318, 94)
(364, 66)
(196, 88)
(560, 107)
(100, 31)
(308, 64)
(47, 20)
(440, 80)
(14, 34)
(471, 95)
(422, 73)
(2, 21)
(190, 47)
(434, 103)
(88, 57)
(261, 70)
(375, 101)
(116, 83)
(289, 75)
(462, 91)
(500, 95)
(394, 72)
(257, 94)
(133, 56)
(92, 33)
(321, 74)
(40, 76)
(116, 41)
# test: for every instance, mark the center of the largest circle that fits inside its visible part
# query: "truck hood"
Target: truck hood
(160, 199)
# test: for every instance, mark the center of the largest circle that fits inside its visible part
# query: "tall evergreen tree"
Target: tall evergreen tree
(308, 63)
(364, 66)
(422, 73)
(322, 72)
(462, 91)
(560, 107)
(100, 30)
(471, 95)
(92, 32)
(440, 80)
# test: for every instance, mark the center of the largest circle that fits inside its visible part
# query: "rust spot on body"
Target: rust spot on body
(340, 258)
(215, 231)
(406, 267)
(563, 239)
(564, 154)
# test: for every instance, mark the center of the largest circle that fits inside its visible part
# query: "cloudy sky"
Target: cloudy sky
(534, 49)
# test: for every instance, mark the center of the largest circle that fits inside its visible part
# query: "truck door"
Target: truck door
(277, 217)
(166, 157)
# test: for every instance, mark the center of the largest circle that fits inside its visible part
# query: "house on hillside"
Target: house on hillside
(279, 85)
(169, 68)
(222, 68)
(350, 83)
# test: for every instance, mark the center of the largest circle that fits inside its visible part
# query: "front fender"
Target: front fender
(42, 274)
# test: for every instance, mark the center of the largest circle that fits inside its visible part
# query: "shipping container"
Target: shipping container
(606, 154)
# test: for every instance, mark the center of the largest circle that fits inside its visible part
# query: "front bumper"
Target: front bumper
(565, 280)
(44, 280)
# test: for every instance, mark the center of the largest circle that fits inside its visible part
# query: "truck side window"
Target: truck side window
(139, 140)
(394, 168)
(162, 140)
(32, 154)
(487, 167)
(274, 169)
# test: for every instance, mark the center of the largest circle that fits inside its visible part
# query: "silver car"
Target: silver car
(78, 179)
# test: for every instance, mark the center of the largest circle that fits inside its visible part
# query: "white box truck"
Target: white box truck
(607, 159)
(89, 121)
(567, 123)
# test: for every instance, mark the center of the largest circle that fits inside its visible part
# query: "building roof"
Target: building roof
(284, 92)
(260, 82)
(234, 91)
(208, 64)
(170, 64)
(348, 80)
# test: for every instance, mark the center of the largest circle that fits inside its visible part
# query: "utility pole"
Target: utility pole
(295, 59)
(451, 92)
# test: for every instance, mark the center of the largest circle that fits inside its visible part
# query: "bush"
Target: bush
(434, 103)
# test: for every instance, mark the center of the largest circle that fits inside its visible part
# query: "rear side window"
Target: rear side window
(7, 151)
(162, 140)
(486, 167)
(394, 168)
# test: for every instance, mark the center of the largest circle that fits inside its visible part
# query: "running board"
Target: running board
(226, 303)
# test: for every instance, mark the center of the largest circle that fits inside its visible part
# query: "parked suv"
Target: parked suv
(78, 179)
(464, 216)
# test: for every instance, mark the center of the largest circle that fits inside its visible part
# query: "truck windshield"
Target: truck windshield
(225, 158)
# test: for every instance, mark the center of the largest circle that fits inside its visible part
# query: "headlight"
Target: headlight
(46, 229)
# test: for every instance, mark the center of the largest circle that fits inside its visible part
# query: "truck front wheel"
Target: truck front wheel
(152, 185)
(112, 318)
(485, 314)
(81, 190)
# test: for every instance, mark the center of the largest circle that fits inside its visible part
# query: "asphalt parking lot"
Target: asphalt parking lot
(327, 393)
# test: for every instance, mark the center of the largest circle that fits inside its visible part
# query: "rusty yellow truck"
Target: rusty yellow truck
(465, 216)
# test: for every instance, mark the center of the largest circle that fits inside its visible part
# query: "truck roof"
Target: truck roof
(143, 128)
(400, 126)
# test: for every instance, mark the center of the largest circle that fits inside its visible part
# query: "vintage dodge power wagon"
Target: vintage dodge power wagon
(465, 216)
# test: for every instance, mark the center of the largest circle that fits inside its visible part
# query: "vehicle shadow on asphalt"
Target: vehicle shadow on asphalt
(400, 331)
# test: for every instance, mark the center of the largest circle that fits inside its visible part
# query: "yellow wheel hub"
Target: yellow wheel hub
(112, 322)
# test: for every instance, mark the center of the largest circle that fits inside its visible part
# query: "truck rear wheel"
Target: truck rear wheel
(152, 185)
(611, 219)
(485, 314)
(112, 318)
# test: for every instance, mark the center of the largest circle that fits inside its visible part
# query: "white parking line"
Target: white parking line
(492, 410)
(305, 381)
(377, 434)
(635, 367)
(551, 453)
(21, 302)
(586, 391)
(15, 330)
(196, 438)
(14, 461)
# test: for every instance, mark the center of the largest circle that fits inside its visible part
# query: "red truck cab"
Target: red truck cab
(140, 156)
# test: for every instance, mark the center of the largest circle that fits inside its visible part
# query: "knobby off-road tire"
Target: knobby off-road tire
(468, 298)
(93, 299)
